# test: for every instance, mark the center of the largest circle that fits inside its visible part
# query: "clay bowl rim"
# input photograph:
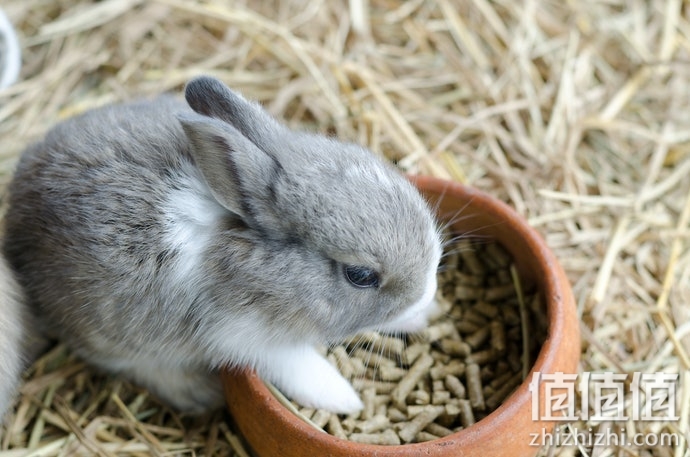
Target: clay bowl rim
(560, 307)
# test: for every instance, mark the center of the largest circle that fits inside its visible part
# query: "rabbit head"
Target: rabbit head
(338, 235)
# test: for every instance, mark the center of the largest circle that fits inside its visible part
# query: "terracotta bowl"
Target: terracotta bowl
(272, 430)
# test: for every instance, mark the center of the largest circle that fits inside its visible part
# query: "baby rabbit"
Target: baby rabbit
(163, 240)
(13, 331)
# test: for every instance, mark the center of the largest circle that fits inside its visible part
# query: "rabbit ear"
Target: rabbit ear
(210, 97)
(239, 174)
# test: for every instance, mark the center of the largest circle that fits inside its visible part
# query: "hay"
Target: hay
(573, 112)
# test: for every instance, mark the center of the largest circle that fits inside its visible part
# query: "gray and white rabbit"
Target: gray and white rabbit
(163, 240)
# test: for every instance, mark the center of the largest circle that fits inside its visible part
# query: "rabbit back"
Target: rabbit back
(90, 234)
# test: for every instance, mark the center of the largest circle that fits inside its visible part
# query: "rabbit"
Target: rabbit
(13, 327)
(163, 240)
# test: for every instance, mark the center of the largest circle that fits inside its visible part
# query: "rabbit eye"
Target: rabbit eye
(361, 276)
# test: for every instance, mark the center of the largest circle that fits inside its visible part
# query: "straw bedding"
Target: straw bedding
(573, 112)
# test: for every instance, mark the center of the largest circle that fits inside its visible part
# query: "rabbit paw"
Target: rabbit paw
(308, 378)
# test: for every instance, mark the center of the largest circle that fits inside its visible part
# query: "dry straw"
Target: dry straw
(576, 113)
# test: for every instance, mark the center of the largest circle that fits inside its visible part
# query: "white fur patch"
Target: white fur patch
(416, 316)
(298, 370)
(308, 378)
(191, 215)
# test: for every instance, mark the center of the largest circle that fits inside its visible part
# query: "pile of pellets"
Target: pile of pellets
(477, 349)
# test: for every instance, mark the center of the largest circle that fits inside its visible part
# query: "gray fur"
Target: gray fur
(11, 334)
(18, 341)
(163, 243)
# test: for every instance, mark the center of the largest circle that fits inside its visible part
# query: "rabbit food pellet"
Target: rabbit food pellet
(453, 373)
